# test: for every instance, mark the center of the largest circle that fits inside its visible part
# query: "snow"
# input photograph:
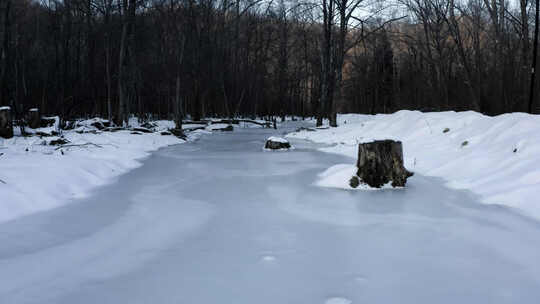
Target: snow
(499, 163)
(33, 110)
(195, 222)
(338, 176)
(192, 126)
(46, 130)
(338, 300)
(277, 139)
(217, 126)
(268, 258)
(4, 108)
(163, 125)
(89, 122)
(40, 177)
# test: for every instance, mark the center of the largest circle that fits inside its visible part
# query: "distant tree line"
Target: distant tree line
(172, 58)
(448, 55)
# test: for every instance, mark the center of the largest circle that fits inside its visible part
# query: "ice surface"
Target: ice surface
(200, 223)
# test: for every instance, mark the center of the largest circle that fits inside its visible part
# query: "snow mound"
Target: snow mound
(36, 176)
(337, 300)
(499, 162)
(163, 125)
(338, 176)
(268, 258)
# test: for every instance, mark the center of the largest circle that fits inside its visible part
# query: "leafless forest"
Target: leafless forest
(227, 58)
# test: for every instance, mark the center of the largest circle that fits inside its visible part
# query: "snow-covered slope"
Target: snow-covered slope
(36, 176)
(497, 157)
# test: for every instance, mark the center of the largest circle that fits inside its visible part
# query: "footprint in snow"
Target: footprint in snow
(268, 258)
(360, 279)
(338, 300)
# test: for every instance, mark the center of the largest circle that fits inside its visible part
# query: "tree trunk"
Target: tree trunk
(177, 105)
(4, 53)
(6, 123)
(381, 162)
(122, 116)
(535, 55)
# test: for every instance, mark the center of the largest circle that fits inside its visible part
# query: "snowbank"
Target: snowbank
(218, 126)
(495, 157)
(36, 176)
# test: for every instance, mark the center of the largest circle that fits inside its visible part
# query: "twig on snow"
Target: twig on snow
(78, 145)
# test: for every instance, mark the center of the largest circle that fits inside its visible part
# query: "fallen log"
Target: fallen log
(229, 121)
(193, 129)
(265, 124)
(142, 130)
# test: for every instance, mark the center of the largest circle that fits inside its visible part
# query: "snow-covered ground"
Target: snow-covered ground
(36, 176)
(220, 221)
(497, 157)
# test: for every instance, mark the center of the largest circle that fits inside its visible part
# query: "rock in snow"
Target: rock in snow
(277, 143)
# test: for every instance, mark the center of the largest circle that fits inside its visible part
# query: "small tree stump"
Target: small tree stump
(33, 119)
(178, 133)
(381, 162)
(6, 123)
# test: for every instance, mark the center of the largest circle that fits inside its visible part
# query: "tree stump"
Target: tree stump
(178, 133)
(381, 162)
(6, 123)
(33, 119)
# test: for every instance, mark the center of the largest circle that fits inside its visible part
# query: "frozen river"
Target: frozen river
(220, 221)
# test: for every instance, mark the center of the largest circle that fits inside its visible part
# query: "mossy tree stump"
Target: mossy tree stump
(381, 162)
(6, 123)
